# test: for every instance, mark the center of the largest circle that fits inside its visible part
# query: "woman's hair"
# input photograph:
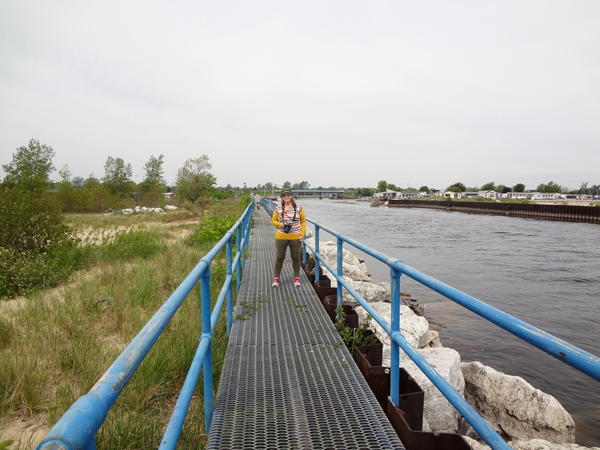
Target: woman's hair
(293, 203)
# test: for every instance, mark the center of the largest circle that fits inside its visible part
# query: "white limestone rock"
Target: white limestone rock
(519, 410)
(533, 444)
(433, 340)
(415, 329)
(171, 208)
(351, 265)
(439, 412)
(328, 274)
(388, 289)
(371, 292)
(356, 272)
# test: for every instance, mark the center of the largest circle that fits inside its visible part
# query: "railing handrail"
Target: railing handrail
(562, 350)
(77, 428)
(580, 359)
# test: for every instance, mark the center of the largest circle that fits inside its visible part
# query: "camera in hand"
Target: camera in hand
(287, 227)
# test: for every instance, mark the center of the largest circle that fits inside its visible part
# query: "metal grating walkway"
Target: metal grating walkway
(288, 381)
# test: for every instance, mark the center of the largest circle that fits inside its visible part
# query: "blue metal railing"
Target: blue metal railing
(565, 352)
(76, 429)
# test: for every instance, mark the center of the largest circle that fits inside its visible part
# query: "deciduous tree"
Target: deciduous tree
(117, 175)
(30, 165)
(550, 188)
(194, 179)
(457, 187)
(91, 181)
(366, 192)
(489, 187)
(519, 187)
(65, 174)
(303, 185)
(154, 174)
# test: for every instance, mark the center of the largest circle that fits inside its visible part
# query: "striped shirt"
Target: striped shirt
(280, 218)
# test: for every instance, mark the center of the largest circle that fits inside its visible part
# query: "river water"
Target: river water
(542, 272)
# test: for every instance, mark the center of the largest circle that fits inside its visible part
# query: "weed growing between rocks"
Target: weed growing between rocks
(354, 337)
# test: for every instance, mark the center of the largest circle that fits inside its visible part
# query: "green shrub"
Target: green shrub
(37, 249)
(245, 199)
(25, 272)
(32, 221)
(213, 228)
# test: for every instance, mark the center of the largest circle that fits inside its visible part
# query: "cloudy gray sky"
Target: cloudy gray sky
(342, 93)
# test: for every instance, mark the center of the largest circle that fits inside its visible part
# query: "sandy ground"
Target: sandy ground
(27, 432)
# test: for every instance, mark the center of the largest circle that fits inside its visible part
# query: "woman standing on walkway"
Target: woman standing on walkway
(291, 227)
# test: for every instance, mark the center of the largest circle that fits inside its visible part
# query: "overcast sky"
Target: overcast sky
(341, 93)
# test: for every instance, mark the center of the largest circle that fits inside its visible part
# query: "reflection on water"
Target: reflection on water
(545, 273)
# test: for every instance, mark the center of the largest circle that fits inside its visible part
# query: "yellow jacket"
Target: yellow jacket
(296, 230)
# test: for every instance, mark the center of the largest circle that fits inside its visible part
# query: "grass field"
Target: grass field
(55, 344)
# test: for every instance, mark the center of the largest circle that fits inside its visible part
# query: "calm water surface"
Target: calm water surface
(545, 273)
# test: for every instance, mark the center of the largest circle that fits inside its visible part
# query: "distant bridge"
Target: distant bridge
(317, 192)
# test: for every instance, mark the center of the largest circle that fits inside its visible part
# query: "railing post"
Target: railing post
(206, 329)
(340, 273)
(246, 238)
(395, 327)
(243, 250)
(317, 265)
(238, 266)
(303, 252)
(230, 288)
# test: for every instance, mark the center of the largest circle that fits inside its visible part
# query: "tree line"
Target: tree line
(32, 165)
(37, 246)
(550, 187)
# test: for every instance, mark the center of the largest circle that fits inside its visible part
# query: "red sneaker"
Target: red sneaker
(296, 282)
(276, 282)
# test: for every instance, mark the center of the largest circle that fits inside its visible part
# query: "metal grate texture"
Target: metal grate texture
(288, 381)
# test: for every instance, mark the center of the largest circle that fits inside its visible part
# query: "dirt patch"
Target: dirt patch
(8, 306)
(91, 235)
(178, 235)
(27, 432)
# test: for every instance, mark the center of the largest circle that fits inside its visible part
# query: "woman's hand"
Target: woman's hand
(301, 238)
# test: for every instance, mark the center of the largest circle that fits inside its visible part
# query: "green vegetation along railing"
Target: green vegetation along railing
(76, 429)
